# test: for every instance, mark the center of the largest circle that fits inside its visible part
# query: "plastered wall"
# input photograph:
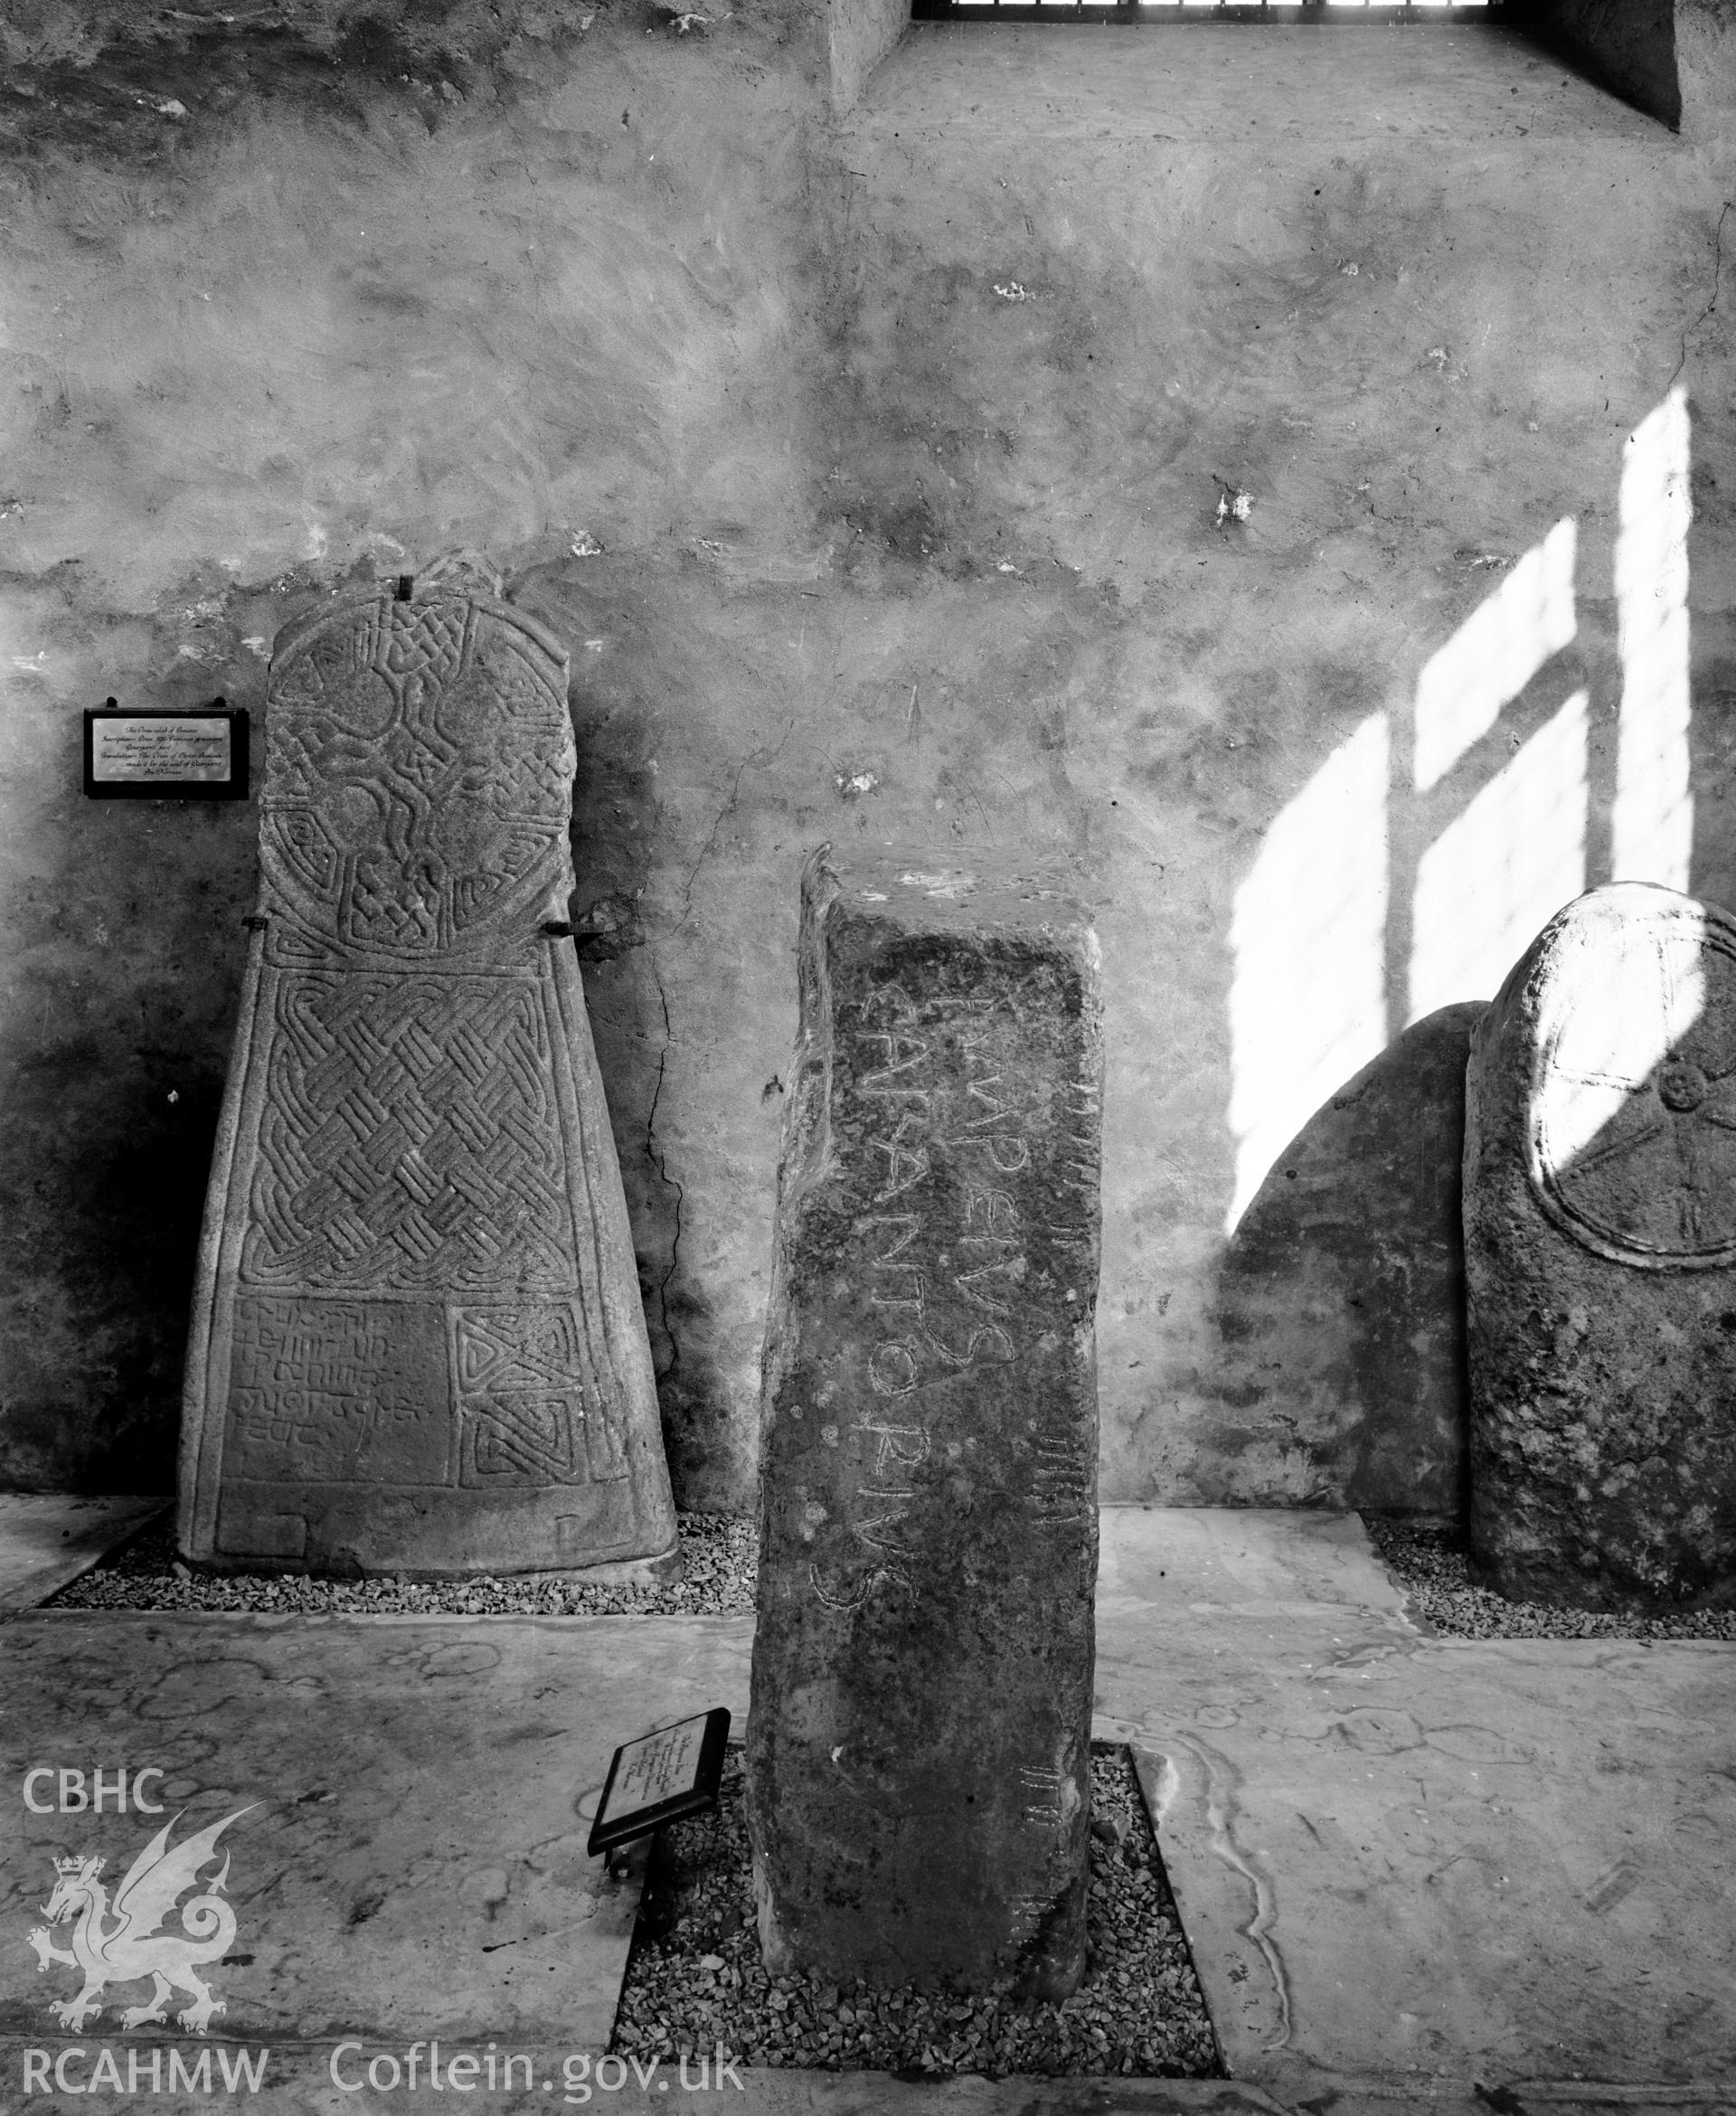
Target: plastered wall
(1091, 441)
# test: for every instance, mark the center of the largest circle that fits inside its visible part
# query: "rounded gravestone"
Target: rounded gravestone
(1601, 1258)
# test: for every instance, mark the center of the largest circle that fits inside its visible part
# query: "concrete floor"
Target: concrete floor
(1409, 1868)
(1408, 1863)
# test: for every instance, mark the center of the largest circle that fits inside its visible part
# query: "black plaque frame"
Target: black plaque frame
(232, 788)
(607, 1831)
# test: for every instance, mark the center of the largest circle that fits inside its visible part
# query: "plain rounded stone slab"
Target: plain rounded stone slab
(1601, 1258)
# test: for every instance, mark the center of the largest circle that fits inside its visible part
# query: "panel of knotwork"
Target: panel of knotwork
(409, 1139)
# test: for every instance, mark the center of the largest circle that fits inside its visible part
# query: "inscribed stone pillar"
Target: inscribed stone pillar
(418, 1343)
(1601, 1258)
(919, 1745)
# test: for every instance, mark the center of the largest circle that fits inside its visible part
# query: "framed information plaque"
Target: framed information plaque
(660, 1778)
(151, 754)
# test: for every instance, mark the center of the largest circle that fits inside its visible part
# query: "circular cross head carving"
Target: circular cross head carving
(419, 773)
(1631, 1145)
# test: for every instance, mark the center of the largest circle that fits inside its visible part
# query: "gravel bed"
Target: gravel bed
(1433, 1566)
(719, 1557)
(696, 1978)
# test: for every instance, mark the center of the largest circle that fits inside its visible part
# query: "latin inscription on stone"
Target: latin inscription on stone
(335, 1391)
(418, 1343)
(1601, 1258)
(922, 1663)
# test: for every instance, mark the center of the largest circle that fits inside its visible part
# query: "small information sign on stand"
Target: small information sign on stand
(660, 1778)
(152, 754)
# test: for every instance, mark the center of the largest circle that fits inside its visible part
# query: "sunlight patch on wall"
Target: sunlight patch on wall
(1494, 654)
(1501, 868)
(1309, 1005)
(1652, 824)
(1650, 992)
(1307, 939)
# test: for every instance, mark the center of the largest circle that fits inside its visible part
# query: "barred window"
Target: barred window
(1167, 11)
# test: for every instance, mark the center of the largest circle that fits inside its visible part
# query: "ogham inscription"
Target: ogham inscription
(922, 1668)
(416, 1342)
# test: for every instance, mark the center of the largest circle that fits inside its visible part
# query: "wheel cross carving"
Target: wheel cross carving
(1632, 1146)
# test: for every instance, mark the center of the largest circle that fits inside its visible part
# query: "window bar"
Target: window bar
(1154, 11)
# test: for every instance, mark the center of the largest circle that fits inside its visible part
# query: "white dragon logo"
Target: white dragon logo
(133, 1948)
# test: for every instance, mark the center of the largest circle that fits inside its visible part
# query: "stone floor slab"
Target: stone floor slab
(1409, 1867)
(412, 1799)
(867, 2094)
(49, 1537)
(1203, 1563)
(300, 2078)
(1405, 1858)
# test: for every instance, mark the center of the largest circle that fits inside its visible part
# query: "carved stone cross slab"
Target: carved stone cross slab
(418, 1343)
(1600, 1257)
(919, 1737)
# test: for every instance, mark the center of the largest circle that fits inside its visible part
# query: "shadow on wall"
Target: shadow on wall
(1675, 60)
(1628, 46)
(1397, 889)
(129, 1217)
(617, 822)
(110, 1102)
(1358, 1221)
